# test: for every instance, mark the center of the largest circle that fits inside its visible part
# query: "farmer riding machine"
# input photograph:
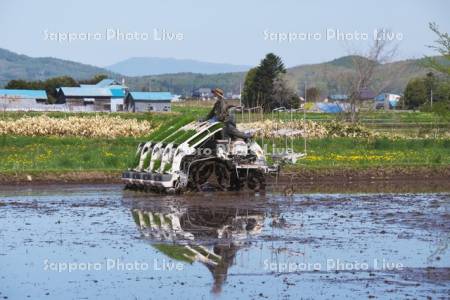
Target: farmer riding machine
(208, 154)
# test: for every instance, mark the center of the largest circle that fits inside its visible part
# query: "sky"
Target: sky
(239, 32)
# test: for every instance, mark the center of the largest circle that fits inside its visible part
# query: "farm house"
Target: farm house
(22, 99)
(107, 95)
(148, 101)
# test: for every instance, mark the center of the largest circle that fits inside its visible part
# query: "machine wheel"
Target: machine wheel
(256, 181)
(223, 176)
(202, 173)
(210, 175)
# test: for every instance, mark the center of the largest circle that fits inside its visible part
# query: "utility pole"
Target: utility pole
(240, 94)
(430, 79)
(304, 104)
(431, 97)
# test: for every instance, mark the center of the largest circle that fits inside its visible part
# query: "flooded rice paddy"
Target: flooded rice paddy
(99, 241)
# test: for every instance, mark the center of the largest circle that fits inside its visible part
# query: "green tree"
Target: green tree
(284, 93)
(419, 92)
(443, 91)
(94, 80)
(415, 93)
(18, 85)
(259, 85)
(442, 46)
(440, 89)
(248, 93)
(50, 85)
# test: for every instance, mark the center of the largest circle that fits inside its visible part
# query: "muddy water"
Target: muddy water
(85, 241)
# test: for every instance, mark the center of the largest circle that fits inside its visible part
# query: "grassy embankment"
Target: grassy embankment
(52, 154)
(35, 155)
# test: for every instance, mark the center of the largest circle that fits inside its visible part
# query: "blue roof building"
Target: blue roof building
(110, 95)
(106, 95)
(148, 101)
(118, 91)
(202, 93)
(107, 82)
(102, 84)
(338, 97)
(17, 100)
(24, 94)
(151, 96)
(366, 94)
(387, 101)
(83, 92)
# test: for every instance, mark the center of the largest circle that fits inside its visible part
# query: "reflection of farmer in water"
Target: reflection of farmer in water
(228, 253)
(220, 112)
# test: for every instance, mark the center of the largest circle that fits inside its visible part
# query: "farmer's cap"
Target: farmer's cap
(217, 92)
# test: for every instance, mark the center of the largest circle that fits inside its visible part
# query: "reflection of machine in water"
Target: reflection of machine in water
(211, 236)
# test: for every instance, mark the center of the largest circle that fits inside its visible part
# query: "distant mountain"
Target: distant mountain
(344, 61)
(142, 66)
(330, 77)
(333, 76)
(16, 66)
(185, 83)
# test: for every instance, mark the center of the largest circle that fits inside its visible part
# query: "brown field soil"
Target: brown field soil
(307, 180)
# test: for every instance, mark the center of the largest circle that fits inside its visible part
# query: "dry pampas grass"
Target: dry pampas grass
(300, 128)
(95, 126)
